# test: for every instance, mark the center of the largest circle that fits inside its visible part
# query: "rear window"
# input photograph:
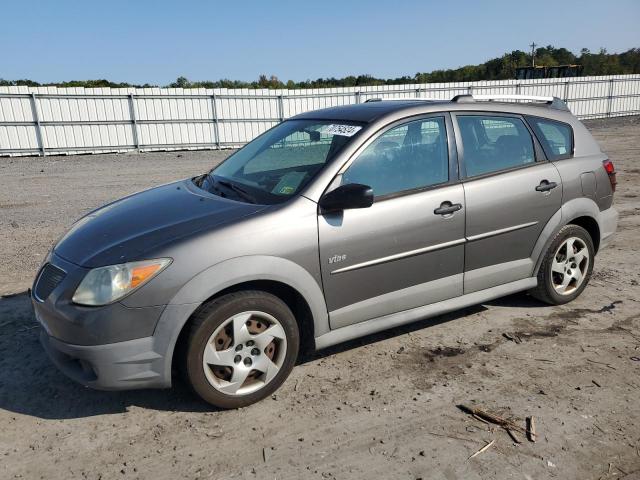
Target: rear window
(556, 137)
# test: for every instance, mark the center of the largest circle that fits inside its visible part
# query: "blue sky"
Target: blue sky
(157, 41)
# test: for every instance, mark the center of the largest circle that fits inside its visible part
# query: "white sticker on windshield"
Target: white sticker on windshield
(342, 130)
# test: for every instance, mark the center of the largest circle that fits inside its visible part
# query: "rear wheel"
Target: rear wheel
(240, 348)
(566, 268)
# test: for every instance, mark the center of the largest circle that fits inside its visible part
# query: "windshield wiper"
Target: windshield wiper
(199, 179)
(239, 190)
(211, 187)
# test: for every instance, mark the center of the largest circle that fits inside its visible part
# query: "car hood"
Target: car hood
(129, 228)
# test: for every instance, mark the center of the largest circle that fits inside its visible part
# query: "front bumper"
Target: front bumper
(113, 347)
(116, 366)
(132, 364)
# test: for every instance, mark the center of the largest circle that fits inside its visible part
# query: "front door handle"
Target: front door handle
(545, 186)
(447, 208)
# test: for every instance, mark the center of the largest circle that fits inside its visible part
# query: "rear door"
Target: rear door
(511, 192)
(404, 251)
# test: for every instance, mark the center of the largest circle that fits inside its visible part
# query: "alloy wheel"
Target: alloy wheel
(570, 266)
(244, 353)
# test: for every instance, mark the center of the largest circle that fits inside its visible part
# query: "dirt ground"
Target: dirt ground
(379, 407)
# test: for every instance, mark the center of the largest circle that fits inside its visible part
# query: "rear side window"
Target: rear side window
(492, 143)
(556, 137)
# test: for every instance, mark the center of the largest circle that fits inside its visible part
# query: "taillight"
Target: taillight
(611, 171)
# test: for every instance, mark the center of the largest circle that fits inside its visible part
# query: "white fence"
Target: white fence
(50, 120)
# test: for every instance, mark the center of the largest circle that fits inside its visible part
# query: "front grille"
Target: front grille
(50, 277)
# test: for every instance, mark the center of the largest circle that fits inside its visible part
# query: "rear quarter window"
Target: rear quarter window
(556, 137)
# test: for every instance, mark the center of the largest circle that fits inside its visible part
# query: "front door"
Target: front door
(511, 192)
(407, 249)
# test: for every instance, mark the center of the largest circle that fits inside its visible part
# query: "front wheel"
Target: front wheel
(566, 267)
(241, 347)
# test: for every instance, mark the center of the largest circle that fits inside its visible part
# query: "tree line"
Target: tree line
(504, 67)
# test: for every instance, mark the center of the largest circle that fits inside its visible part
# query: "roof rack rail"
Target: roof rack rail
(553, 102)
(408, 99)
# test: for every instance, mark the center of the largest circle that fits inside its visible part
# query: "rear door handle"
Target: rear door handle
(546, 185)
(447, 208)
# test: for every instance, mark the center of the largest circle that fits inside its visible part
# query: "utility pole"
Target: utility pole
(533, 54)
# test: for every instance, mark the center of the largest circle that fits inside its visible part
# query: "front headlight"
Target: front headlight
(107, 284)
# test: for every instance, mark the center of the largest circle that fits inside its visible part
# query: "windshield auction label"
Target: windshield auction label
(289, 183)
(342, 130)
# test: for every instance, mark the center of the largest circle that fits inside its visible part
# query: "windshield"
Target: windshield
(279, 163)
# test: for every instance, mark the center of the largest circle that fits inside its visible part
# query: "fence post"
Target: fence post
(36, 120)
(134, 122)
(40, 120)
(281, 108)
(610, 98)
(216, 128)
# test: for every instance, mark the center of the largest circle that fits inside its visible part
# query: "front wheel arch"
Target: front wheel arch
(229, 274)
(289, 295)
(253, 364)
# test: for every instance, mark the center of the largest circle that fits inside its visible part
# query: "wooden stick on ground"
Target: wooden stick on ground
(480, 419)
(490, 417)
(483, 449)
(513, 436)
(602, 363)
(531, 429)
(453, 437)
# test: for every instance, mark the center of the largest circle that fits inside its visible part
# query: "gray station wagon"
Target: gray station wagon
(332, 225)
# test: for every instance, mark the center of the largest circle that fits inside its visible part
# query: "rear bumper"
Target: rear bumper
(116, 366)
(608, 225)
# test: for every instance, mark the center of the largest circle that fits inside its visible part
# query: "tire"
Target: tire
(556, 269)
(230, 372)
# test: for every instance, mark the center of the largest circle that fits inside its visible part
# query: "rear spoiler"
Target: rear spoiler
(553, 102)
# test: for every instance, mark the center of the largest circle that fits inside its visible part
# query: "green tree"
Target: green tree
(503, 67)
(181, 82)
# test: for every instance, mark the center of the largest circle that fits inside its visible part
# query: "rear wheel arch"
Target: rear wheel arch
(583, 212)
(590, 224)
(566, 267)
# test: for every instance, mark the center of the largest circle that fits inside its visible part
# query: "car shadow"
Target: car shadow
(517, 300)
(31, 385)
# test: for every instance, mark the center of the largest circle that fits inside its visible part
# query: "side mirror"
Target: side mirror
(345, 197)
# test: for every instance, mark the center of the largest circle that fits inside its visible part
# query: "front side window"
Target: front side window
(407, 157)
(493, 143)
(556, 137)
(281, 162)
